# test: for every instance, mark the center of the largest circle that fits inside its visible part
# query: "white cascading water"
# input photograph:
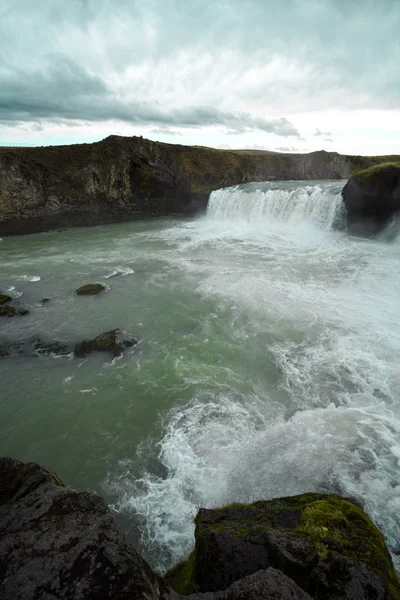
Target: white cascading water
(292, 370)
(284, 202)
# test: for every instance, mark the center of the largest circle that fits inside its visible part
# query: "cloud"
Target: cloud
(328, 140)
(318, 132)
(164, 131)
(240, 66)
(60, 89)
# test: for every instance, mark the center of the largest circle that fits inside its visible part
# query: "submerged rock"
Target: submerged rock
(327, 545)
(5, 298)
(109, 341)
(11, 311)
(372, 198)
(56, 543)
(52, 348)
(90, 289)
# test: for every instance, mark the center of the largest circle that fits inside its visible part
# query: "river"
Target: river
(268, 361)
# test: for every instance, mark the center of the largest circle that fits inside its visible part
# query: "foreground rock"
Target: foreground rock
(5, 298)
(56, 543)
(270, 584)
(90, 289)
(372, 199)
(325, 544)
(109, 341)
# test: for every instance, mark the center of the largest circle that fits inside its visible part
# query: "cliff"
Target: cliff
(57, 543)
(125, 178)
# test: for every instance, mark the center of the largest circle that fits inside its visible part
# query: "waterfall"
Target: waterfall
(318, 203)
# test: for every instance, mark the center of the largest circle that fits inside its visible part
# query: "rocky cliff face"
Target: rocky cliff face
(57, 543)
(126, 178)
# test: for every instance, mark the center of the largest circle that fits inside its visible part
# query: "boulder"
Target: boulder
(5, 298)
(109, 341)
(270, 584)
(10, 311)
(326, 544)
(57, 543)
(372, 199)
(90, 289)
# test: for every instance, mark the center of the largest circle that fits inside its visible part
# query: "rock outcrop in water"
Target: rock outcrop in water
(109, 341)
(372, 199)
(90, 289)
(123, 178)
(56, 543)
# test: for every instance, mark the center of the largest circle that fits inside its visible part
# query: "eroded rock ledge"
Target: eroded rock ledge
(59, 544)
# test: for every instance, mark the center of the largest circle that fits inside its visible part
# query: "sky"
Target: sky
(281, 75)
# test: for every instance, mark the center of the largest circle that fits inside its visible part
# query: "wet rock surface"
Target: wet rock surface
(90, 289)
(56, 543)
(109, 341)
(6, 310)
(327, 545)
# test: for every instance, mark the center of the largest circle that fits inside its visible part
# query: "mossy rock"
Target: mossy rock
(4, 298)
(376, 171)
(325, 543)
(90, 289)
(10, 311)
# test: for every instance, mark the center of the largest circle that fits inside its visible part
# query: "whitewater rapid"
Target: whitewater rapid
(291, 378)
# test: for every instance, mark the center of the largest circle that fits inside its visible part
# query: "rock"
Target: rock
(270, 584)
(327, 545)
(109, 341)
(45, 301)
(54, 348)
(372, 199)
(56, 543)
(90, 289)
(10, 311)
(4, 298)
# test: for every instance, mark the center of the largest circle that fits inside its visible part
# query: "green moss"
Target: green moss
(374, 171)
(182, 577)
(328, 523)
(337, 524)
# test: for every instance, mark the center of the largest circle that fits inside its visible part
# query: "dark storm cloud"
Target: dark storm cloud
(62, 90)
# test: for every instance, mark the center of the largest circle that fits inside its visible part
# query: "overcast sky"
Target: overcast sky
(288, 75)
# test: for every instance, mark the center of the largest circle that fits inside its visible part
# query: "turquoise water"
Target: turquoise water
(267, 364)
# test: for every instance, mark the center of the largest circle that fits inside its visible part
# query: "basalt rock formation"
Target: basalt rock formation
(327, 545)
(372, 199)
(57, 543)
(126, 178)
